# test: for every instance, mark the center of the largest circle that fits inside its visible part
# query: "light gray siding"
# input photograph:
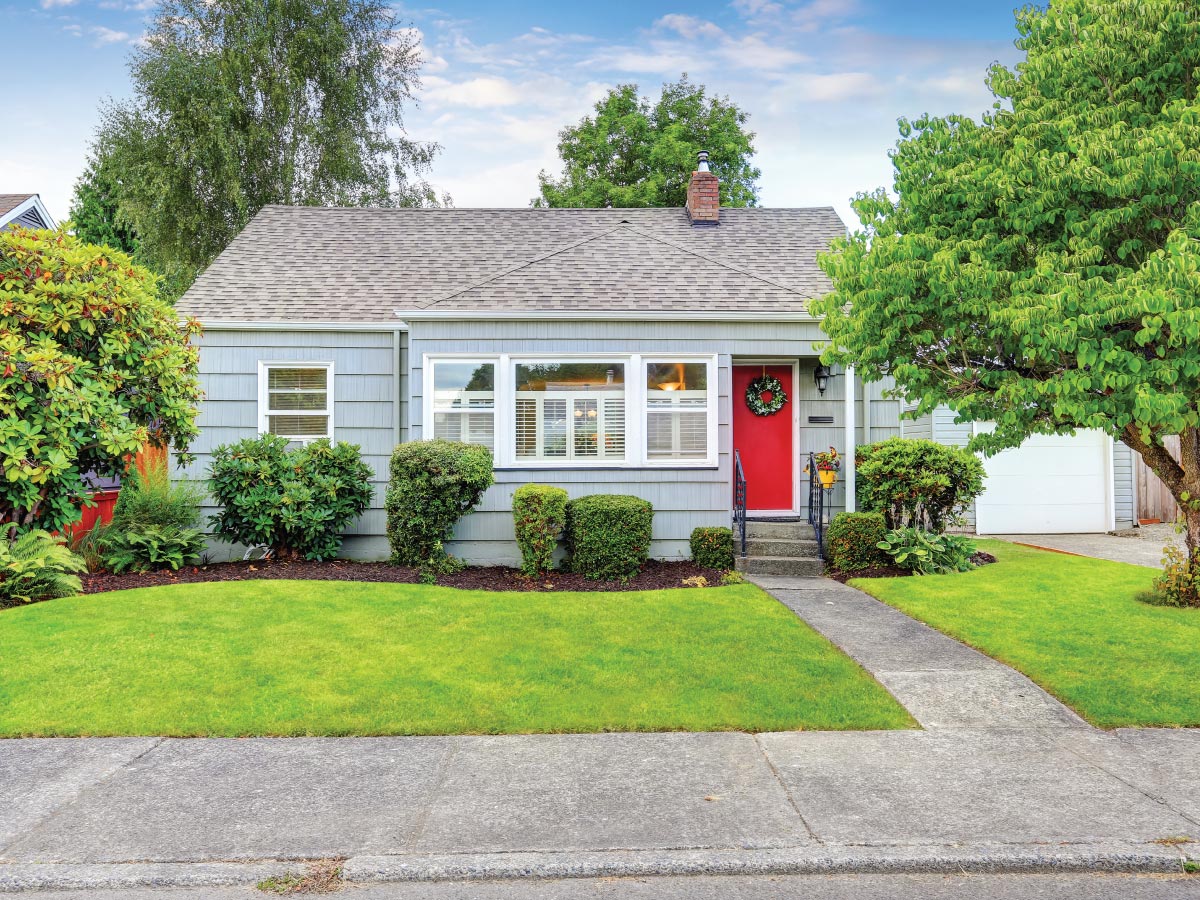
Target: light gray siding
(1124, 498)
(370, 402)
(683, 498)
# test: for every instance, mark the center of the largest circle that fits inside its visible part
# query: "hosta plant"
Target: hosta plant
(928, 553)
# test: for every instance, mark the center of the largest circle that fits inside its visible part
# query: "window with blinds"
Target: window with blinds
(296, 401)
(464, 402)
(677, 410)
(570, 411)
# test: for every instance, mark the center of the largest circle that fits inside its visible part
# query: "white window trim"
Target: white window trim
(635, 407)
(264, 365)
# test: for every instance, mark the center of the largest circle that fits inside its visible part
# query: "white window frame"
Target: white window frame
(636, 411)
(430, 400)
(264, 367)
(710, 409)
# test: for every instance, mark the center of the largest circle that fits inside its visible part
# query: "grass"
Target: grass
(334, 658)
(1072, 625)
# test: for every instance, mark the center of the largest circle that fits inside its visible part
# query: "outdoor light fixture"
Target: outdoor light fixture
(821, 377)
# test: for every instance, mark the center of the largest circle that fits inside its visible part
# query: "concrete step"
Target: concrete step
(800, 549)
(786, 531)
(779, 565)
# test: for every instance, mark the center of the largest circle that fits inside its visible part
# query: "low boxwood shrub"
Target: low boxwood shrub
(852, 541)
(917, 483)
(434, 484)
(296, 502)
(608, 535)
(539, 517)
(928, 553)
(37, 566)
(712, 547)
(144, 548)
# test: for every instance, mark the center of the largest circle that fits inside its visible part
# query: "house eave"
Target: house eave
(295, 325)
(593, 315)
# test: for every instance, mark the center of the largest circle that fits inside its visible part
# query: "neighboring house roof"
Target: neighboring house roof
(370, 265)
(25, 210)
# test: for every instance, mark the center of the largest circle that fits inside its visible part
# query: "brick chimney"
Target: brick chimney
(703, 202)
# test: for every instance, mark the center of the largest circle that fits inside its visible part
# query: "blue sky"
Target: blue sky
(823, 81)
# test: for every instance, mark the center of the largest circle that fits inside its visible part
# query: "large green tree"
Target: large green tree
(95, 210)
(634, 152)
(1041, 268)
(242, 103)
(93, 365)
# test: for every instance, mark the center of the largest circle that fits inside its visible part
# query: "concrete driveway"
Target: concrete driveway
(1139, 546)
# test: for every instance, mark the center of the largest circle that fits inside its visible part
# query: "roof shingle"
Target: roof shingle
(363, 265)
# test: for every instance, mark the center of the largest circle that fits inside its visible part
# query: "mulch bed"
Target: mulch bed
(654, 576)
(979, 558)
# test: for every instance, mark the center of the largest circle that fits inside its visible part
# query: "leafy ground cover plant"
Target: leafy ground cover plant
(297, 502)
(539, 517)
(37, 566)
(434, 484)
(609, 534)
(853, 541)
(150, 547)
(917, 483)
(712, 547)
(928, 553)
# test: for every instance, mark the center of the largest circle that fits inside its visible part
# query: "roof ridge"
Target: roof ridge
(521, 265)
(721, 262)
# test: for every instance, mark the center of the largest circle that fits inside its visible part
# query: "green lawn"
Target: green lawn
(333, 658)
(1072, 625)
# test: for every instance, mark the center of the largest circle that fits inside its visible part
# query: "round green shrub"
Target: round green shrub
(539, 517)
(434, 483)
(712, 548)
(608, 535)
(297, 502)
(852, 541)
(917, 483)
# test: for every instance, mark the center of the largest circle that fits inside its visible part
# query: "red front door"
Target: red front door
(764, 442)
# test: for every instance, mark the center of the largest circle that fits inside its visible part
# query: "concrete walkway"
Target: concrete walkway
(1136, 550)
(943, 683)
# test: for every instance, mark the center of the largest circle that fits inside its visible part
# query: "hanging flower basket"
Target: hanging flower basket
(760, 388)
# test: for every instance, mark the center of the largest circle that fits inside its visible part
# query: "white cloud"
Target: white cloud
(480, 93)
(103, 35)
(53, 4)
(833, 87)
(689, 27)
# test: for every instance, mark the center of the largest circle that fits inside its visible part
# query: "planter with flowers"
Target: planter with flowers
(828, 463)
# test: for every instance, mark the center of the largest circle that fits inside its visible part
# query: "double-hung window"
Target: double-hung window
(295, 400)
(624, 410)
(464, 401)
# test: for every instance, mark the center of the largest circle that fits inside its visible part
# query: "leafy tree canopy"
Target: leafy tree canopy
(94, 208)
(1041, 268)
(637, 153)
(93, 364)
(242, 103)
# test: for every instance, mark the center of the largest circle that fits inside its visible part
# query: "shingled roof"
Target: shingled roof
(316, 264)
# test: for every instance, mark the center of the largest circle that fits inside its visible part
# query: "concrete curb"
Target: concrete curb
(983, 859)
(788, 861)
(16, 877)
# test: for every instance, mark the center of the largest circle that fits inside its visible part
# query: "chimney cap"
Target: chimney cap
(702, 161)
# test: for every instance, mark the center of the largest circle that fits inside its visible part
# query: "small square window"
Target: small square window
(296, 401)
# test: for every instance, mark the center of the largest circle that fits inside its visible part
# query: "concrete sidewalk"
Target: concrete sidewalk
(115, 812)
(1134, 549)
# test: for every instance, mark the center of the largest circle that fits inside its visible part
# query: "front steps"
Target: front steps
(779, 548)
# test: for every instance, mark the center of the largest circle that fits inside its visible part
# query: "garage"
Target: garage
(1051, 484)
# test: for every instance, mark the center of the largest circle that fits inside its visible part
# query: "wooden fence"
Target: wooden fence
(1154, 501)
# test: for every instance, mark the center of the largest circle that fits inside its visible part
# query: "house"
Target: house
(603, 350)
(25, 210)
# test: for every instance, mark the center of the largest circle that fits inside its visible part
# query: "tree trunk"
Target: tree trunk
(1182, 478)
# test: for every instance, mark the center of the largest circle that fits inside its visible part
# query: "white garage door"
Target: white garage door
(1049, 485)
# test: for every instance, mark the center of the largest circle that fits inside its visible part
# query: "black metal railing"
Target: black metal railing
(739, 501)
(818, 503)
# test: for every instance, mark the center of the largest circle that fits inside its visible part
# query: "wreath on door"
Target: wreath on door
(765, 384)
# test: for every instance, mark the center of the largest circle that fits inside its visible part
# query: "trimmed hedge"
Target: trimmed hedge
(608, 535)
(434, 483)
(712, 547)
(539, 517)
(852, 541)
(917, 483)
